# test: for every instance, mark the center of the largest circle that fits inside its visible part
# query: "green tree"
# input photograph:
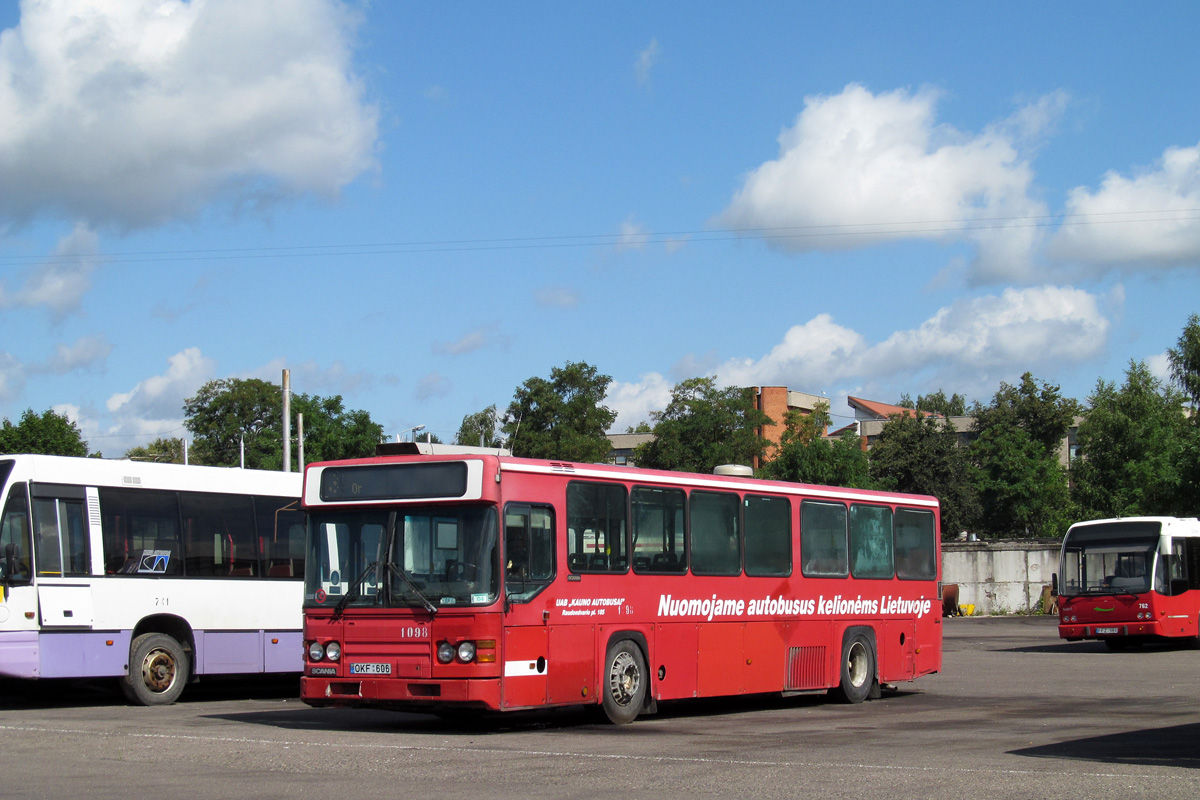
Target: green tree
(331, 431)
(1035, 407)
(480, 429)
(1023, 490)
(921, 455)
(563, 417)
(937, 403)
(224, 413)
(703, 427)
(167, 451)
(1185, 363)
(804, 454)
(45, 434)
(1132, 445)
(1185, 373)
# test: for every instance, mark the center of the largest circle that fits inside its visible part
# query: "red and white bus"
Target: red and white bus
(442, 583)
(1129, 581)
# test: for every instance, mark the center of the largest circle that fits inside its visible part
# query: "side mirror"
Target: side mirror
(1054, 584)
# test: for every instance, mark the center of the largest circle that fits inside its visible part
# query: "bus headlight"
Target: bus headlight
(316, 651)
(466, 652)
(445, 652)
(333, 651)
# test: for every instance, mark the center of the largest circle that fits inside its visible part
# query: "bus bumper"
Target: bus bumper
(1109, 630)
(400, 693)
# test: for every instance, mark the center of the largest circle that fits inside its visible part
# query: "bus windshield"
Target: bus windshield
(1109, 559)
(411, 557)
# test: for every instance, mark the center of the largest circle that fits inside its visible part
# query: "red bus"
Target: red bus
(443, 583)
(1130, 581)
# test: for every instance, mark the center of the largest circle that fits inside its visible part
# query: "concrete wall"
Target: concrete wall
(1000, 577)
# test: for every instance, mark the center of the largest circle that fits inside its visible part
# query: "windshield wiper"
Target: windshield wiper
(395, 570)
(353, 590)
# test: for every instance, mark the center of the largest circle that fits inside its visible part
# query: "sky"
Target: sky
(420, 206)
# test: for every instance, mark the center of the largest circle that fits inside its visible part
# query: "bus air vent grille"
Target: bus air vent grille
(806, 668)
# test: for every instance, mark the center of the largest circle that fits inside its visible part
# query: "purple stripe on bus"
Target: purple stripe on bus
(233, 652)
(19, 654)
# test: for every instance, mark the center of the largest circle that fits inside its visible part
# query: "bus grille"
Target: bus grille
(806, 668)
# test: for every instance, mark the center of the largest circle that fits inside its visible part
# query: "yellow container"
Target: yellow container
(968, 610)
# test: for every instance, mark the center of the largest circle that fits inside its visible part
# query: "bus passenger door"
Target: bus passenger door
(525, 666)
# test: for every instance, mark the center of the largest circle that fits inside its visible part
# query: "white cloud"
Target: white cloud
(646, 60)
(160, 397)
(59, 283)
(12, 377)
(633, 402)
(433, 385)
(859, 168)
(131, 112)
(556, 297)
(1159, 365)
(308, 377)
(1146, 219)
(969, 346)
(87, 353)
(633, 236)
(482, 337)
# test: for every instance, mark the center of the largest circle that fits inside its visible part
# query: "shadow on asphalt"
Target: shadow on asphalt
(474, 722)
(1174, 746)
(61, 693)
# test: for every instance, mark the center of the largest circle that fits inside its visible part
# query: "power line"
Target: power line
(776, 233)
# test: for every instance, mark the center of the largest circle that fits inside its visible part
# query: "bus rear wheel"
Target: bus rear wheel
(624, 683)
(858, 669)
(158, 670)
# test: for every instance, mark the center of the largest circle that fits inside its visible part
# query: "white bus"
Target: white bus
(151, 573)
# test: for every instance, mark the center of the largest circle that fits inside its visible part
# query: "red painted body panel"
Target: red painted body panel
(701, 636)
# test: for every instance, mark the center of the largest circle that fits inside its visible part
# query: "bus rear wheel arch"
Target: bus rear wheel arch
(859, 666)
(158, 670)
(626, 682)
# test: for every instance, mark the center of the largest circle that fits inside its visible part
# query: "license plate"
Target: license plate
(371, 669)
(1102, 631)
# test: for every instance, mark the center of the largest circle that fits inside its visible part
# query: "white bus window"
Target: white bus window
(14, 538)
(141, 531)
(61, 537)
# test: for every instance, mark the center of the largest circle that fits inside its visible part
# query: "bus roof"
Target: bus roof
(642, 475)
(151, 475)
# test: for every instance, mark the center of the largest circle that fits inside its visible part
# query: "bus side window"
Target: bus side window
(1191, 558)
(768, 536)
(916, 545)
(871, 541)
(823, 549)
(715, 539)
(596, 529)
(659, 530)
(219, 534)
(14, 538)
(60, 534)
(140, 531)
(280, 527)
(528, 550)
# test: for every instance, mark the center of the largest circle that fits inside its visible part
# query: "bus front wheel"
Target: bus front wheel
(858, 669)
(625, 682)
(158, 670)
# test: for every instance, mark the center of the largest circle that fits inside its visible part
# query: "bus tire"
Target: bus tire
(625, 682)
(158, 670)
(858, 669)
